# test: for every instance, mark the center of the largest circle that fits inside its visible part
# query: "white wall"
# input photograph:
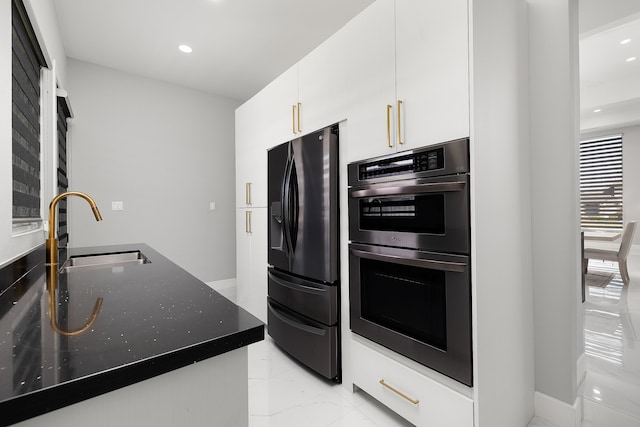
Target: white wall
(555, 208)
(630, 171)
(501, 219)
(166, 152)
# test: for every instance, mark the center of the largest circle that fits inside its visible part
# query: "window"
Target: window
(601, 182)
(27, 60)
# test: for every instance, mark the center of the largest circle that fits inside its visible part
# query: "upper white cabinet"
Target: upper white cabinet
(432, 71)
(251, 159)
(370, 69)
(325, 83)
(413, 73)
(262, 122)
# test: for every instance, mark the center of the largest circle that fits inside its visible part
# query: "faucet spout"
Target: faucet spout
(52, 241)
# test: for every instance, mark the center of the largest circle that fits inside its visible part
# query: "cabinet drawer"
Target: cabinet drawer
(425, 402)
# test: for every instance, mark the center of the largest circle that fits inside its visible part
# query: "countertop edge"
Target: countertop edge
(50, 399)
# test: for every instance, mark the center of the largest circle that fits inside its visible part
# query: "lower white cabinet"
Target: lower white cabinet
(251, 261)
(417, 398)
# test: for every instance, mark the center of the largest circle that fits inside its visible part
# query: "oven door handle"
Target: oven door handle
(434, 187)
(457, 267)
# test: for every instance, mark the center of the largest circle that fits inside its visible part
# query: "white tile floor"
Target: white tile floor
(611, 389)
(283, 394)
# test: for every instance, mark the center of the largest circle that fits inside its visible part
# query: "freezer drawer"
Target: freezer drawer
(311, 299)
(312, 343)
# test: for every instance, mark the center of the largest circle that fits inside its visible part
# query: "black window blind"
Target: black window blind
(26, 61)
(601, 182)
(64, 113)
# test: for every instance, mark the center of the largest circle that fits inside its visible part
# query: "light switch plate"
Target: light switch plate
(212, 206)
(117, 206)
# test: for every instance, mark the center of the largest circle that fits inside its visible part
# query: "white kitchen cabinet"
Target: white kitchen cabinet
(370, 68)
(432, 71)
(412, 395)
(261, 123)
(251, 261)
(413, 73)
(326, 85)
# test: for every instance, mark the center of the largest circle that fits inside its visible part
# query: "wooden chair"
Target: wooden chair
(595, 250)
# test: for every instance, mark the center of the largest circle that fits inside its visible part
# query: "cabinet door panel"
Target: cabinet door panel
(432, 71)
(369, 68)
(325, 84)
(261, 123)
(251, 261)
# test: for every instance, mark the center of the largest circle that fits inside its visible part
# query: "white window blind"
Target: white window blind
(601, 182)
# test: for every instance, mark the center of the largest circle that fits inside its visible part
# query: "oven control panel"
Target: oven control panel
(442, 159)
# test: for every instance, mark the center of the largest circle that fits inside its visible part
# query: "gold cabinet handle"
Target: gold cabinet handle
(299, 108)
(247, 193)
(398, 392)
(293, 119)
(389, 107)
(399, 122)
(247, 222)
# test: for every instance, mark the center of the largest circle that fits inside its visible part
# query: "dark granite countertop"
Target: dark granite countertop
(154, 318)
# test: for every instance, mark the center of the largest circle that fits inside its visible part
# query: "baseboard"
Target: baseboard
(558, 413)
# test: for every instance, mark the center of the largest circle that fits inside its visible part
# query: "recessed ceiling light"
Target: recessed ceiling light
(184, 48)
(625, 41)
(633, 58)
(597, 110)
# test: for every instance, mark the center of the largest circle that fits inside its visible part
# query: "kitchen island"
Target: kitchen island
(135, 364)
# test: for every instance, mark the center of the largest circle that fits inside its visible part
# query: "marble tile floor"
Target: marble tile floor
(282, 393)
(611, 388)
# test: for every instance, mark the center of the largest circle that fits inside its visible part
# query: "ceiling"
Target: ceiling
(241, 45)
(238, 45)
(609, 83)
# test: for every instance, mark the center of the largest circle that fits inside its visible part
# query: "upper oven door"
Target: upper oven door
(427, 213)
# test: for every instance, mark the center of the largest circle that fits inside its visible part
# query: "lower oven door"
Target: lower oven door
(312, 343)
(416, 303)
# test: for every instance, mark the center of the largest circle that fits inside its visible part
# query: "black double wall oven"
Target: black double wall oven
(409, 255)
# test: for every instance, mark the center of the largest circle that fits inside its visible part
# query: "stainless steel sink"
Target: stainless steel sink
(103, 260)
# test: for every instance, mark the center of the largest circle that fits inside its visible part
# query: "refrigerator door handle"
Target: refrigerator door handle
(285, 205)
(294, 205)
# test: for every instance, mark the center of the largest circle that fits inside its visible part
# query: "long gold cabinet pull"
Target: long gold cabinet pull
(247, 193)
(247, 222)
(399, 393)
(399, 122)
(389, 107)
(299, 125)
(293, 119)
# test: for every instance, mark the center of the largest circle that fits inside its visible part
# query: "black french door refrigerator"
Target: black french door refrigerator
(303, 274)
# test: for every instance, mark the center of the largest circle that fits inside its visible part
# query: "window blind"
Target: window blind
(64, 113)
(601, 182)
(27, 58)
